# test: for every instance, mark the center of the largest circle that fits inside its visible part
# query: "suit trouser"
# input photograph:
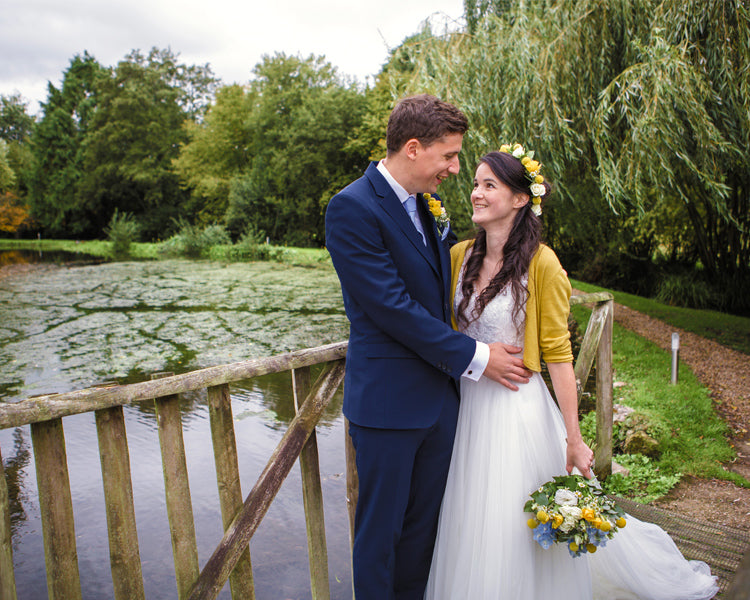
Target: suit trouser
(402, 475)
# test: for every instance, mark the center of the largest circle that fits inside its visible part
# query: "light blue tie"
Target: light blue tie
(411, 208)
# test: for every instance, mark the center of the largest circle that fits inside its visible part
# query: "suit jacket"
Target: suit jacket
(402, 352)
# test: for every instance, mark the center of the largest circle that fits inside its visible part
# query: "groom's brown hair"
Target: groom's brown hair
(425, 118)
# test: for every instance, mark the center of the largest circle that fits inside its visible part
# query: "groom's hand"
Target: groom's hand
(504, 367)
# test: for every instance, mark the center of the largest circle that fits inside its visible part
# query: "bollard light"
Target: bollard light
(675, 356)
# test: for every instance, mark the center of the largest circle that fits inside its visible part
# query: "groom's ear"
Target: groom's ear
(411, 148)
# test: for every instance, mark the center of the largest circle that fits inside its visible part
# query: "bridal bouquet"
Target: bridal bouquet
(573, 510)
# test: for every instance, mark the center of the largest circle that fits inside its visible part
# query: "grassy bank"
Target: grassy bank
(162, 250)
(731, 330)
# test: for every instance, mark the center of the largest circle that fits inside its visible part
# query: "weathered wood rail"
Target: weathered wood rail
(231, 559)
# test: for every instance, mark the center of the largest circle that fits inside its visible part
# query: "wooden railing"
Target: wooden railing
(231, 559)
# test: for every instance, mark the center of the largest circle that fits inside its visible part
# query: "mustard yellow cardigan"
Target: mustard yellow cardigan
(546, 335)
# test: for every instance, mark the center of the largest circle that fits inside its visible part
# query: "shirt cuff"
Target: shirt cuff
(479, 363)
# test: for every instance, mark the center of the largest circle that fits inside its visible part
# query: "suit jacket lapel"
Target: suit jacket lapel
(443, 257)
(391, 204)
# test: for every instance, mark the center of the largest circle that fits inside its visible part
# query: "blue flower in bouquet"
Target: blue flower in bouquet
(597, 536)
(543, 535)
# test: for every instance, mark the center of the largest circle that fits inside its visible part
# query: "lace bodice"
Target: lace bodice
(496, 321)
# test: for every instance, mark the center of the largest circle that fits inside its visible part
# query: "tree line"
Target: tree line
(637, 108)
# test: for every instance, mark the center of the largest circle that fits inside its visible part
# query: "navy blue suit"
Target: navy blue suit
(400, 389)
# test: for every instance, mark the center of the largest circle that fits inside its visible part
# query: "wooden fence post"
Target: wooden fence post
(603, 453)
(312, 496)
(590, 345)
(124, 558)
(740, 587)
(7, 575)
(56, 507)
(177, 491)
(228, 480)
(352, 488)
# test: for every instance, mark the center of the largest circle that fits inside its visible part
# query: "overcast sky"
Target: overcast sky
(38, 38)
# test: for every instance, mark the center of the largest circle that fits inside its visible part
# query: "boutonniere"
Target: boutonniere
(439, 213)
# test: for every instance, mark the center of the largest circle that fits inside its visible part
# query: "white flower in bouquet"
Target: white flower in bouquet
(565, 497)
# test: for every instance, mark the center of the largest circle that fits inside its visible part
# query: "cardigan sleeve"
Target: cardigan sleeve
(553, 303)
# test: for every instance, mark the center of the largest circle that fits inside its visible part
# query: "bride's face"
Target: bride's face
(493, 201)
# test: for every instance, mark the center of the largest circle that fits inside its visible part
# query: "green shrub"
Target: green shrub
(194, 242)
(251, 246)
(645, 481)
(122, 231)
(685, 289)
(215, 235)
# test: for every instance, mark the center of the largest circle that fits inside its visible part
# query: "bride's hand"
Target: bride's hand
(580, 456)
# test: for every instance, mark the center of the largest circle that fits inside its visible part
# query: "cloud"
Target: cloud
(38, 38)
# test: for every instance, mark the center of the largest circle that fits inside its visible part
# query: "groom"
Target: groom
(404, 360)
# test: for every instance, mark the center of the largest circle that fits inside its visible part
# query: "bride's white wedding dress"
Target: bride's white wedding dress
(508, 444)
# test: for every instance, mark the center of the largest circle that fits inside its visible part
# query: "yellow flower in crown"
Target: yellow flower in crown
(532, 167)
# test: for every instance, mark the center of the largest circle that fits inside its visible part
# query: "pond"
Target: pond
(69, 326)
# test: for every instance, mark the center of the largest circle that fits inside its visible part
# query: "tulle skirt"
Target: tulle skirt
(508, 444)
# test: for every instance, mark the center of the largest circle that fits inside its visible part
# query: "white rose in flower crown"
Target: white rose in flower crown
(565, 497)
(537, 189)
(519, 152)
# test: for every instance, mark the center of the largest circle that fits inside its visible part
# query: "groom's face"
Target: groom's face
(436, 162)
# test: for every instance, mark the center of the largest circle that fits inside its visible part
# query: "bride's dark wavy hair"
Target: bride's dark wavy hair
(523, 241)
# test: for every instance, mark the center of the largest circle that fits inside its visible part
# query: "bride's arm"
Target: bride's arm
(579, 455)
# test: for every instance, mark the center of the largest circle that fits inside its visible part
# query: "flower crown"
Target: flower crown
(533, 169)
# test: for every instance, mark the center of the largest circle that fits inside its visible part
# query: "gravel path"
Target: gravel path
(726, 373)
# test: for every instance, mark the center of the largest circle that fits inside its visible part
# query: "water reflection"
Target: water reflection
(23, 257)
(15, 464)
(67, 327)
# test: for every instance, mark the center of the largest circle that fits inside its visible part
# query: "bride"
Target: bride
(509, 287)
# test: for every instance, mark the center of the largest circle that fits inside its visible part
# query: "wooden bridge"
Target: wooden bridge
(231, 561)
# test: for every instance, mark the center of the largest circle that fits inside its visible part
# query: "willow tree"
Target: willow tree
(638, 108)
(677, 122)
